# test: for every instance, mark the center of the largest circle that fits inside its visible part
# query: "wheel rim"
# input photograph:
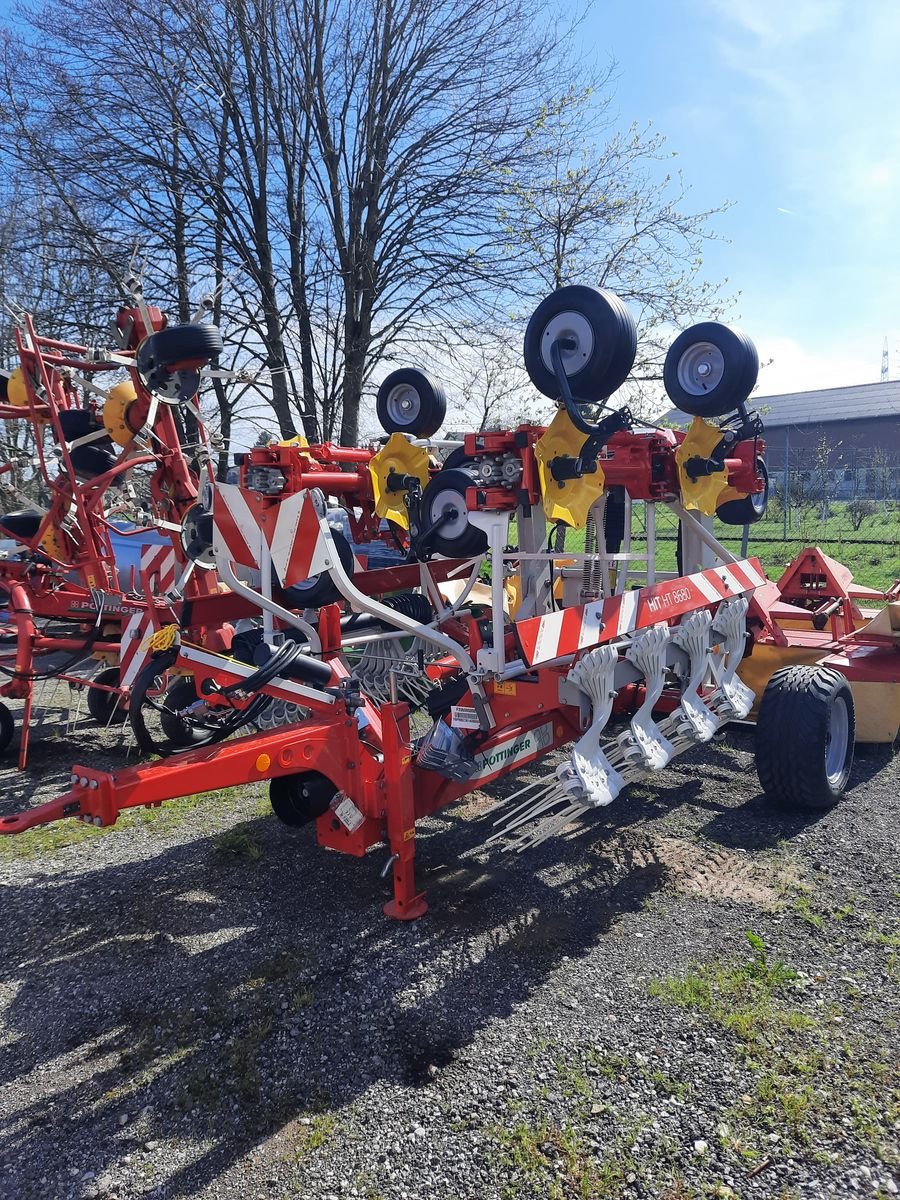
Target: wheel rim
(403, 404)
(449, 501)
(574, 326)
(701, 369)
(837, 741)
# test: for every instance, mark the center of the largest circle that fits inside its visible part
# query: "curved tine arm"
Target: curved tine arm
(363, 603)
(284, 614)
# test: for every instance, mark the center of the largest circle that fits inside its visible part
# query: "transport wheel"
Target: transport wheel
(107, 708)
(92, 460)
(179, 729)
(710, 369)
(168, 361)
(78, 422)
(445, 496)
(318, 589)
(156, 709)
(298, 799)
(409, 401)
(804, 738)
(197, 536)
(749, 509)
(7, 728)
(604, 336)
(22, 524)
(456, 458)
(614, 519)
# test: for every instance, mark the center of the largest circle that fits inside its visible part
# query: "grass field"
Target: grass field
(872, 553)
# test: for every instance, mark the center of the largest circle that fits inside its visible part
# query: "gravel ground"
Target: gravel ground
(203, 1003)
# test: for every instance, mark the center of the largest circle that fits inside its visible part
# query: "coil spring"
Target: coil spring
(412, 605)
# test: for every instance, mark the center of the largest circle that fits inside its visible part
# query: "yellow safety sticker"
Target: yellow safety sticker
(504, 689)
(408, 835)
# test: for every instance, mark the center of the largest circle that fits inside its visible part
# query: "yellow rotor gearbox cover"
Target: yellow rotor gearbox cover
(398, 457)
(52, 543)
(704, 493)
(16, 389)
(115, 412)
(567, 500)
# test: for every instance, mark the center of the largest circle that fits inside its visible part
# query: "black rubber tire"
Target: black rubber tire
(7, 728)
(197, 536)
(749, 509)
(614, 519)
(92, 460)
(456, 458)
(793, 732)
(470, 540)
(298, 799)
(318, 589)
(605, 362)
(77, 423)
(425, 417)
(178, 344)
(739, 374)
(21, 525)
(104, 707)
(177, 730)
(151, 676)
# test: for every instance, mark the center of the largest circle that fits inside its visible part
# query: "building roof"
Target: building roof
(863, 400)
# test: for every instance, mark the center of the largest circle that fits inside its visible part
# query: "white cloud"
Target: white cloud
(823, 91)
(774, 22)
(797, 368)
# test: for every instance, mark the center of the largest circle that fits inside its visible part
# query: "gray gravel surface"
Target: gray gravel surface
(203, 1003)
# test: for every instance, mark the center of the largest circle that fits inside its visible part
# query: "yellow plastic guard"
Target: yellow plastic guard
(703, 494)
(16, 389)
(115, 409)
(569, 500)
(51, 543)
(402, 458)
(297, 440)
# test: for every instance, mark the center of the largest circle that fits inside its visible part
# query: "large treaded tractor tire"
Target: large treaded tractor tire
(804, 738)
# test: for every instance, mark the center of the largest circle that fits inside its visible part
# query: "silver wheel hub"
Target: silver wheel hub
(837, 742)
(450, 502)
(571, 326)
(701, 369)
(403, 404)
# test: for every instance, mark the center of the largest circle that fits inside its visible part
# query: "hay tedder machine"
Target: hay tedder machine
(521, 614)
(98, 454)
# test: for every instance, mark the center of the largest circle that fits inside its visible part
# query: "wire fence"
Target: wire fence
(850, 513)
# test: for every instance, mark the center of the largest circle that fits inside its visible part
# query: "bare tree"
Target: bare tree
(599, 205)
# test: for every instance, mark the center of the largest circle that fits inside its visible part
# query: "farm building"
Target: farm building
(841, 441)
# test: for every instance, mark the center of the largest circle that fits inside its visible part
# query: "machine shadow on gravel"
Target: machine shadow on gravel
(156, 976)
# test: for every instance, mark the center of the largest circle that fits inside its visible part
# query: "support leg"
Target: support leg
(407, 904)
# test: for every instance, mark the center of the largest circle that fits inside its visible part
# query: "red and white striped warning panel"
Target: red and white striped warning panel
(159, 567)
(135, 645)
(291, 529)
(562, 634)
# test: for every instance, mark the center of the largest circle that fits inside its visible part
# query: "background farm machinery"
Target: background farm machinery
(518, 617)
(100, 454)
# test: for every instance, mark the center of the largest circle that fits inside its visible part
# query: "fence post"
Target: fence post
(787, 482)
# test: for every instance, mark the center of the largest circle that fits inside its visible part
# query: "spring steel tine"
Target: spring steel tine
(552, 826)
(545, 790)
(542, 782)
(530, 815)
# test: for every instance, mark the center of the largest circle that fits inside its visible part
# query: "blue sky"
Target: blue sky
(791, 109)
